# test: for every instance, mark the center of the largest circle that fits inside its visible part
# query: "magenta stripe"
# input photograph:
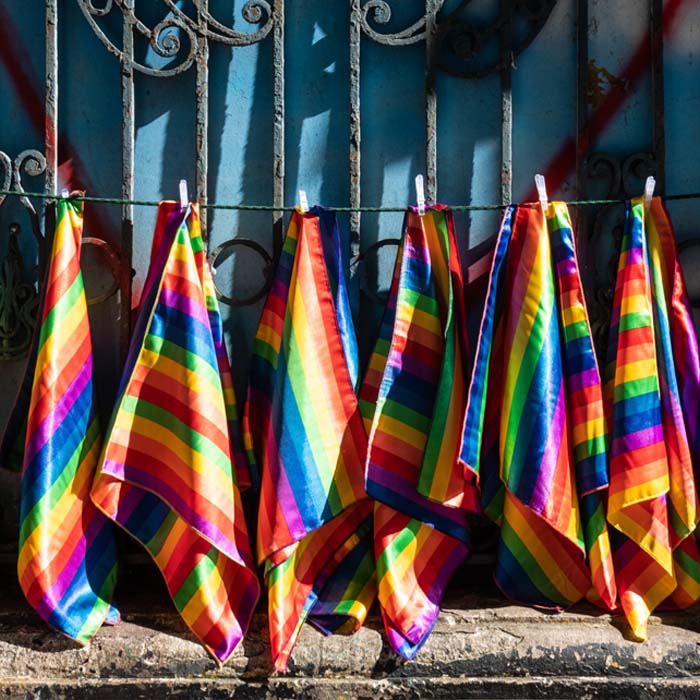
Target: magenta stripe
(45, 430)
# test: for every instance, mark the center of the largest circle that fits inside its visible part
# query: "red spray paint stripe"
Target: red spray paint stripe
(565, 159)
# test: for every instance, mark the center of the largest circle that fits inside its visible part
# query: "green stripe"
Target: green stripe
(188, 435)
(61, 308)
(41, 511)
(398, 544)
(195, 579)
(633, 388)
(535, 574)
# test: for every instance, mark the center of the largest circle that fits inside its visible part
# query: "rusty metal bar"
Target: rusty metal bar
(128, 137)
(656, 35)
(431, 8)
(51, 103)
(278, 128)
(581, 122)
(202, 112)
(355, 155)
(506, 105)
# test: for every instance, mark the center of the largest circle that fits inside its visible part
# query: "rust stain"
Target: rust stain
(601, 82)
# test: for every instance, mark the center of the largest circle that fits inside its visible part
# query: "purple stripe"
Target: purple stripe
(401, 360)
(175, 501)
(44, 431)
(407, 490)
(53, 595)
(184, 304)
(583, 380)
(550, 457)
(642, 438)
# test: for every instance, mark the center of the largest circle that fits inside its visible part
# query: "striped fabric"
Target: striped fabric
(653, 500)
(534, 433)
(67, 555)
(305, 431)
(413, 400)
(166, 473)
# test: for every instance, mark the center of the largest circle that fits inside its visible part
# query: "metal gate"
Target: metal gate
(447, 49)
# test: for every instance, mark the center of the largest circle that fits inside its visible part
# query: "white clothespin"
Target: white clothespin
(542, 191)
(303, 201)
(65, 194)
(184, 198)
(420, 195)
(649, 186)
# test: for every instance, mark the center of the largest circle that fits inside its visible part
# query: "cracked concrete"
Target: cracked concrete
(481, 647)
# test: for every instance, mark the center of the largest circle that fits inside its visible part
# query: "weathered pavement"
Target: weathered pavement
(481, 648)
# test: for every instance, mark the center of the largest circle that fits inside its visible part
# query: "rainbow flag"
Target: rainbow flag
(67, 556)
(413, 400)
(303, 426)
(534, 433)
(652, 408)
(166, 473)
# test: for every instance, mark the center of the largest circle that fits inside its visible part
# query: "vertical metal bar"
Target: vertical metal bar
(127, 79)
(430, 102)
(581, 92)
(51, 124)
(355, 128)
(278, 128)
(581, 118)
(202, 113)
(506, 105)
(656, 34)
(50, 127)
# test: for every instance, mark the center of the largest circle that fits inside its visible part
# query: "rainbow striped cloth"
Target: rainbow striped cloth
(413, 399)
(303, 427)
(167, 472)
(652, 398)
(534, 434)
(67, 555)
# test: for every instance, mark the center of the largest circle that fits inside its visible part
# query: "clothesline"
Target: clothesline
(268, 207)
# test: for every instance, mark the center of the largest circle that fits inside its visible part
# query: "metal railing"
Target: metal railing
(452, 45)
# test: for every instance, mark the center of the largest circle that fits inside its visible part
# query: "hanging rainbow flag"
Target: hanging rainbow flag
(303, 427)
(413, 399)
(166, 473)
(67, 556)
(534, 434)
(652, 399)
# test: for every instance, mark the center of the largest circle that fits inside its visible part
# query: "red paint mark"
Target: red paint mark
(565, 159)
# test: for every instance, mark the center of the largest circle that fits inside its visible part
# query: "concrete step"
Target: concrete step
(481, 647)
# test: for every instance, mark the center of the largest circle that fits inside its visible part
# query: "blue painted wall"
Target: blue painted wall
(240, 140)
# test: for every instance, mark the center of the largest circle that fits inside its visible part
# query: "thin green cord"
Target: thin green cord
(267, 207)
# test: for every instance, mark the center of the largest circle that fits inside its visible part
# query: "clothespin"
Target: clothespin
(420, 195)
(649, 186)
(65, 194)
(542, 191)
(184, 198)
(303, 201)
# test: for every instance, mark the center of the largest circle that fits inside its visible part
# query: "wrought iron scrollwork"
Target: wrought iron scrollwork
(463, 47)
(610, 178)
(360, 263)
(379, 12)
(18, 296)
(216, 255)
(18, 301)
(164, 38)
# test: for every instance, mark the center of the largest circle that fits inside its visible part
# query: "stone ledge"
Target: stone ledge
(481, 647)
(438, 688)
